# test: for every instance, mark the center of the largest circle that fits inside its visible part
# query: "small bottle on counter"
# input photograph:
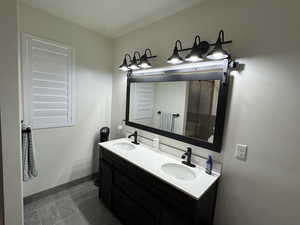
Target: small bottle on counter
(156, 143)
(209, 165)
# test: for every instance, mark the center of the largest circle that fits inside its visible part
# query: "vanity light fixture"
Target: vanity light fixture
(124, 65)
(218, 52)
(144, 63)
(175, 58)
(199, 48)
(197, 51)
(137, 62)
(134, 63)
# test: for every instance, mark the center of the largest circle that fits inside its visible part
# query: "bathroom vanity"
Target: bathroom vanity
(144, 187)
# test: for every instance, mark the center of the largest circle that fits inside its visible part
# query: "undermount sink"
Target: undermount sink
(178, 171)
(125, 146)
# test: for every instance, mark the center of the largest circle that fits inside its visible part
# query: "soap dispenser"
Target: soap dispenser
(209, 165)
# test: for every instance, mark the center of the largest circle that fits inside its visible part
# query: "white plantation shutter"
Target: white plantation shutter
(48, 81)
(143, 101)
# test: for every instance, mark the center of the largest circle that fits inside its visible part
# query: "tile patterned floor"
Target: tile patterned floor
(78, 205)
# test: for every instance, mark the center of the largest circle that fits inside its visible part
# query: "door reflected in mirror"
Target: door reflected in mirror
(186, 108)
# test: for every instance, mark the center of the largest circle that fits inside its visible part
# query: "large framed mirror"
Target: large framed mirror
(188, 107)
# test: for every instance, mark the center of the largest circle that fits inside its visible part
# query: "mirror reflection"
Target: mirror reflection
(183, 107)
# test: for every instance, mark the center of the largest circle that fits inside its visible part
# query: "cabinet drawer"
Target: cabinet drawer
(129, 212)
(142, 197)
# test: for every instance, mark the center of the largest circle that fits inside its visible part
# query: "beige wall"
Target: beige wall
(263, 111)
(65, 154)
(10, 114)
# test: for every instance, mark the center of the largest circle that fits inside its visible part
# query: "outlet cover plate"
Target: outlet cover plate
(241, 152)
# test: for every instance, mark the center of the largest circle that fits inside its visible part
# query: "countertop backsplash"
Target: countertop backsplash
(177, 148)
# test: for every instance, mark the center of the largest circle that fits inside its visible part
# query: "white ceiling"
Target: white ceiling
(112, 17)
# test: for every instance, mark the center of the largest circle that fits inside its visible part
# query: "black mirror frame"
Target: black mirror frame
(220, 117)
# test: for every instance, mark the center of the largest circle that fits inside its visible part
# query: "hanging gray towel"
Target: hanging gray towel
(167, 121)
(28, 156)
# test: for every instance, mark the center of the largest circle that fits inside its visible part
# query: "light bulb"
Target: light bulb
(193, 58)
(134, 67)
(145, 65)
(123, 68)
(217, 55)
(175, 61)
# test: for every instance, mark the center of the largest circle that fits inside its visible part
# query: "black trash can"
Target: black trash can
(104, 136)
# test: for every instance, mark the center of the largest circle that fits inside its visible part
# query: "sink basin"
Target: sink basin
(178, 171)
(124, 146)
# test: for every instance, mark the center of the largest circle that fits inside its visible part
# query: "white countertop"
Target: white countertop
(151, 161)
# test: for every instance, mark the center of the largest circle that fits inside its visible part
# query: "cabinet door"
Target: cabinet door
(106, 183)
(129, 212)
(137, 194)
(170, 215)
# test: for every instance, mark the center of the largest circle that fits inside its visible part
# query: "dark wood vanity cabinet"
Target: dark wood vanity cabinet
(137, 197)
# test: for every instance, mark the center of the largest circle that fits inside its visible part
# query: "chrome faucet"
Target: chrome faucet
(135, 135)
(188, 156)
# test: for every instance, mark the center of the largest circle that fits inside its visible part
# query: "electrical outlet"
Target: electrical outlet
(241, 152)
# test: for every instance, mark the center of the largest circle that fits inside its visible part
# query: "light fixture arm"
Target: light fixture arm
(221, 39)
(148, 50)
(127, 55)
(221, 36)
(197, 40)
(223, 43)
(180, 44)
(138, 54)
(149, 56)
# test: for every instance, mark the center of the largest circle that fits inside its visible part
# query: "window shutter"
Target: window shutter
(48, 78)
(143, 101)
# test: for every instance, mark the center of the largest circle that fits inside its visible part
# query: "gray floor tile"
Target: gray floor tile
(49, 214)
(74, 219)
(66, 207)
(82, 198)
(29, 208)
(95, 212)
(78, 205)
(37, 204)
(32, 218)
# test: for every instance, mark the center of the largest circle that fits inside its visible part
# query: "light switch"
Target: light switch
(241, 152)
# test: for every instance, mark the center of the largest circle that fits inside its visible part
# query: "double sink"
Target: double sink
(178, 171)
(191, 180)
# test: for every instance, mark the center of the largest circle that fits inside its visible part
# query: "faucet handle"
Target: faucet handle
(185, 154)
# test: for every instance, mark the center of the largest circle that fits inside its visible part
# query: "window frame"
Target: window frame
(26, 79)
